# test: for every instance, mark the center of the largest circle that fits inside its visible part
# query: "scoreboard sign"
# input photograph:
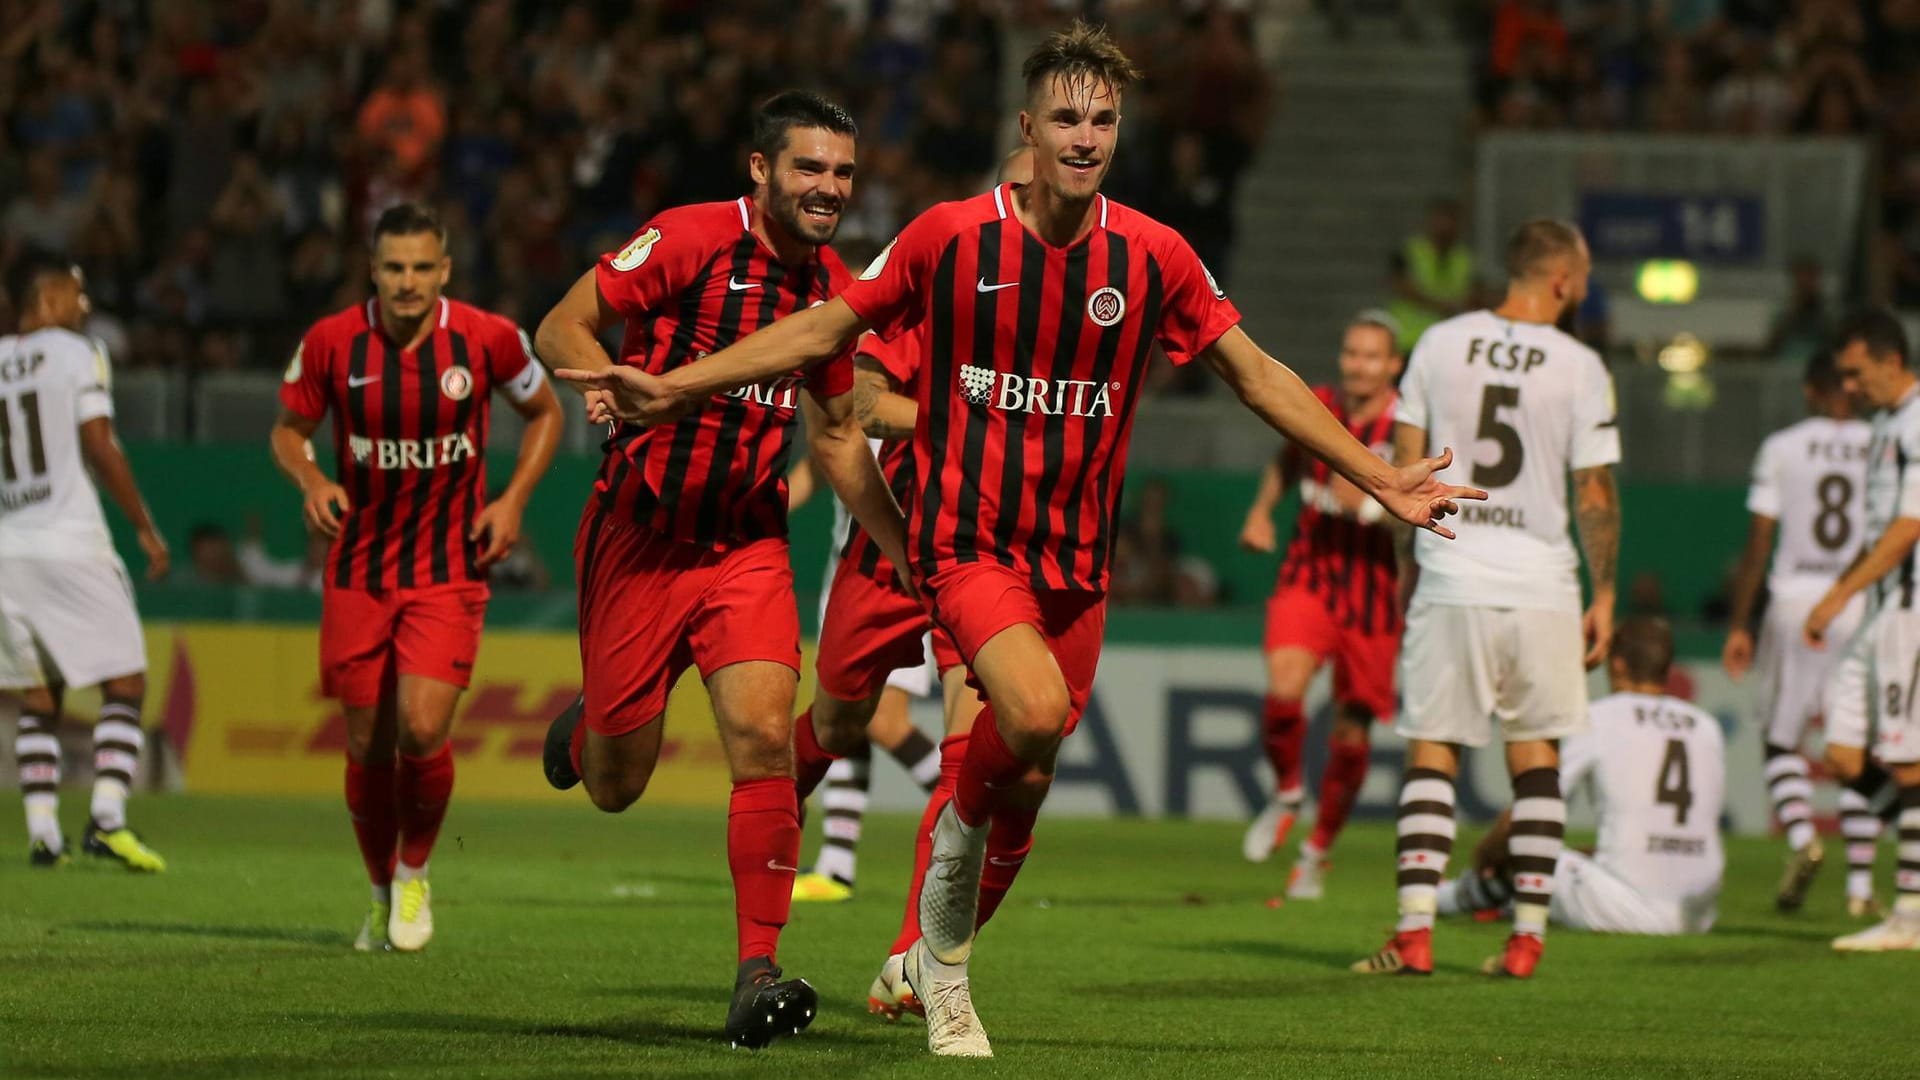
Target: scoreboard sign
(1630, 226)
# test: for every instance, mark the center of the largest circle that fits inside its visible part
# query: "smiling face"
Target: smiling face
(808, 183)
(1072, 121)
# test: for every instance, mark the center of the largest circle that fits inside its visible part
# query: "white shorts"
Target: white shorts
(1789, 677)
(1847, 703)
(1463, 667)
(1894, 680)
(1588, 896)
(70, 622)
(922, 681)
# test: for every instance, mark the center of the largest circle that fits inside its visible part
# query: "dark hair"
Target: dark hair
(1379, 319)
(1879, 329)
(1822, 375)
(1538, 241)
(1081, 51)
(1644, 645)
(408, 219)
(23, 280)
(790, 109)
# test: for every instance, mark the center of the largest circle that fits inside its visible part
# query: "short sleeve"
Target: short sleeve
(1195, 311)
(831, 378)
(1411, 408)
(1763, 490)
(516, 370)
(890, 294)
(93, 382)
(303, 388)
(653, 267)
(1596, 427)
(1909, 506)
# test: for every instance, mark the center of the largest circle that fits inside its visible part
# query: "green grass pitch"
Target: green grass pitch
(574, 944)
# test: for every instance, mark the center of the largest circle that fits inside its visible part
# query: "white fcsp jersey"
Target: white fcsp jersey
(1522, 405)
(1812, 478)
(51, 382)
(1893, 491)
(1657, 766)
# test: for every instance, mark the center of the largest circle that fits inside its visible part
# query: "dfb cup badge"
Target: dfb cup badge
(456, 382)
(1106, 306)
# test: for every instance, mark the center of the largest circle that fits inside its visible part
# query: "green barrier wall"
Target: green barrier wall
(1686, 535)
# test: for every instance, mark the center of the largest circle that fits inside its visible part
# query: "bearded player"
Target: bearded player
(407, 377)
(682, 550)
(1043, 303)
(1334, 600)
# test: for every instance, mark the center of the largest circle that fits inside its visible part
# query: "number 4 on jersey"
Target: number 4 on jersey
(1675, 786)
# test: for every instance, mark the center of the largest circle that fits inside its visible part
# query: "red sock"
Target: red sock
(1283, 730)
(423, 786)
(989, 763)
(810, 763)
(1008, 843)
(370, 803)
(1339, 787)
(763, 848)
(953, 751)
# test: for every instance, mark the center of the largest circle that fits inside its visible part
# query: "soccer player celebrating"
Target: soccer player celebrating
(407, 377)
(1875, 678)
(1809, 482)
(682, 550)
(1042, 304)
(1334, 599)
(66, 608)
(1656, 766)
(1494, 628)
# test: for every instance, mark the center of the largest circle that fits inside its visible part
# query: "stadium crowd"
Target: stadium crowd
(214, 167)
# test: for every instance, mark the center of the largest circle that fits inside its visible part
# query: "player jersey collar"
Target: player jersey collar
(1003, 205)
(373, 315)
(746, 207)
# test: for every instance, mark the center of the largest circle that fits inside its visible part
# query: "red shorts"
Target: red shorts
(870, 631)
(973, 602)
(367, 638)
(650, 607)
(1362, 662)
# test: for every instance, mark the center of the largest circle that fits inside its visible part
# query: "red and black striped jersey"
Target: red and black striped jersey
(409, 435)
(1348, 563)
(1036, 356)
(691, 282)
(901, 359)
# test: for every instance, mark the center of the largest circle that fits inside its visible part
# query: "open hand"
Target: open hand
(627, 394)
(1417, 498)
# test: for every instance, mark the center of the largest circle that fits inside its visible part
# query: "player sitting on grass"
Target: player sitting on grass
(1657, 770)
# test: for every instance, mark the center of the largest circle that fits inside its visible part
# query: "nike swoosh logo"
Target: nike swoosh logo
(997, 861)
(984, 287)
(774, 864)
(358, 381)
(737, 285)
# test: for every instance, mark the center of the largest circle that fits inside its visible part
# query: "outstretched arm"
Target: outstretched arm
(1279, 397)
(1737, 654)
(103, 452)
(1597, 510)
(800, 340)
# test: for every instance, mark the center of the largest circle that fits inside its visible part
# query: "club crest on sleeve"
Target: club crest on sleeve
(1106, 306)
(293, 366)
(456, 382)
(879, 262)
(636, 251)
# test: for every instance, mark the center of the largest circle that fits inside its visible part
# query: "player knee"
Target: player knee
(1844, 763)
(840, 728)
(1037, 715)
(1352, 727)
(613, 794)
(126, 687)
(423, 734)
(368, 740)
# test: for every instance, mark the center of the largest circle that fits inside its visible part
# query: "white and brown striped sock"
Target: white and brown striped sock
(1426, 828)
(37, 749)
(844, 800)
(117, 740)
(1539, 832)
(1907, 878)
(1791, 790)
(1860, 828)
